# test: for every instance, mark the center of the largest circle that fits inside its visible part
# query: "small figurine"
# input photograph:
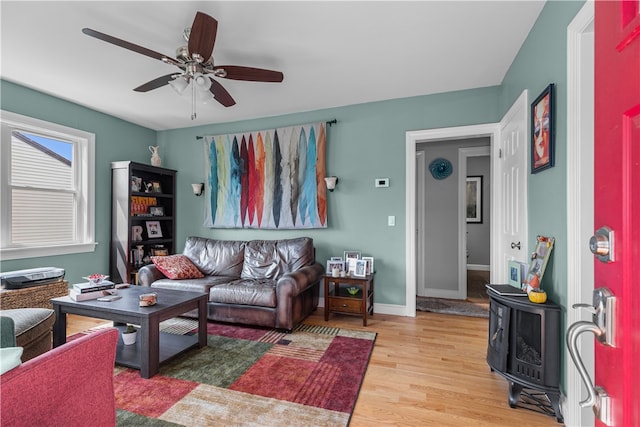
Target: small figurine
(155, 158)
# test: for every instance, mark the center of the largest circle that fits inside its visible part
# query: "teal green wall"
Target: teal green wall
(543, 60)
(115, 140)
(367, 142)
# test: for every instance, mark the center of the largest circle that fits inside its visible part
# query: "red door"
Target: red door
(617, 198)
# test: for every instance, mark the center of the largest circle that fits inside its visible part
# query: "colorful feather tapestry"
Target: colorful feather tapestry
(270, 179)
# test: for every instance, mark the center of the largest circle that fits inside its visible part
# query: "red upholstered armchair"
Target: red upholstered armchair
(71, 385)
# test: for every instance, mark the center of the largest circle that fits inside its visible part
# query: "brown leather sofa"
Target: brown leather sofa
(272, 283)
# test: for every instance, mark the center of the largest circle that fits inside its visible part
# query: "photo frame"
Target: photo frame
(542, 130)
(159, 251)
(369, 260)
(156, 210)
(351, 255)
(474, 199)
(156, 187)
(360, 269)
(516, 273)
(331, 264)
(539, 260)
(154, 231)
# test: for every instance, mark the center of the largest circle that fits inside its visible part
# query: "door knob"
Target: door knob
(601, 244)
(515, 245)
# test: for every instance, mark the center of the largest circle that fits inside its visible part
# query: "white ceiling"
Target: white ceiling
(331, 53)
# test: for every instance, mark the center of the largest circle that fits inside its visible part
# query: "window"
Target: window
(47, 183)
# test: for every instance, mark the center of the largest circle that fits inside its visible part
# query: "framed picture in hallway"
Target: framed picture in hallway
(474, 199)
(542, 126)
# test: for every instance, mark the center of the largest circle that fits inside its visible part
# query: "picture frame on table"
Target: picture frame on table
(331, 264)
(351, 255)
(539, 259)
(516, 273)
(154, 231)
(474, 199)
(542, 130)
(360, 268)
(369, 260)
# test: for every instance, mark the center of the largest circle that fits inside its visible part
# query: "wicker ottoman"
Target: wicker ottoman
(33, 329)
(34, 297)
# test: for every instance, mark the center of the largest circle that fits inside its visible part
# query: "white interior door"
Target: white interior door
(420, 224)
(512, 227)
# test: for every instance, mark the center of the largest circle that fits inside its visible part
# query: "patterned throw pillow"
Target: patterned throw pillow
(177, 267)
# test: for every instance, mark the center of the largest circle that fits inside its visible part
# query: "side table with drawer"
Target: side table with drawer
(338, 300)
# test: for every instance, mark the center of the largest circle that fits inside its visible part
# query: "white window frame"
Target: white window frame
(84, 162)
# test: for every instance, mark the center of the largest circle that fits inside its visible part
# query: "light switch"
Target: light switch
(392, 221)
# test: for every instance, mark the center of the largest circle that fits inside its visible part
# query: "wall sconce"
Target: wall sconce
(331, 182)
(198, 188)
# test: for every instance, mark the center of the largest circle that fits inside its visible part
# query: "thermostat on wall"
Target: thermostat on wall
(382, 182)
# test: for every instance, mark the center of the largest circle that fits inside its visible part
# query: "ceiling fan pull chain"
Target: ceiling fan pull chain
(193, 99)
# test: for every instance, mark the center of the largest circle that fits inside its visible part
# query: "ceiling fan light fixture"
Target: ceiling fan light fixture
(205, 96)
(179, 84)
(202, 82)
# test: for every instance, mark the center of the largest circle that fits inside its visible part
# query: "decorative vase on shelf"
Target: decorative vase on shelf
(155, 157)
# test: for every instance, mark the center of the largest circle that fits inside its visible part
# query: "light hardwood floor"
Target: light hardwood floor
(424, 371)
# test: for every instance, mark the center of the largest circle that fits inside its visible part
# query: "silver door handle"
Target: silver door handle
(597, 396)
(603, 327)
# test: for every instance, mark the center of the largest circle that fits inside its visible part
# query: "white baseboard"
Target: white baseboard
(478, 267)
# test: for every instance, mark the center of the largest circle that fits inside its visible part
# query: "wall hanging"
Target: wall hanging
(271, 179)
(440, 168)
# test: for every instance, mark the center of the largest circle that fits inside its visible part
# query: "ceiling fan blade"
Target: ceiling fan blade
(221, 94)
(236, 72)
(155, 83)
(202, 36)
(128, 45)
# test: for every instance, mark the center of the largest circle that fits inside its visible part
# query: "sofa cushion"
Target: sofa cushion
(257, 292)
(216, 257)
(270, 259)
(176, 267)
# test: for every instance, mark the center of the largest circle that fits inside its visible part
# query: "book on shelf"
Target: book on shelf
(92, 287)
(86, 296)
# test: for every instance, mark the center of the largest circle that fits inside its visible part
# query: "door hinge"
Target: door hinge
(499, 153)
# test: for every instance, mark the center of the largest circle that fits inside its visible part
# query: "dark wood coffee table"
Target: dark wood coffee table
(152, 347)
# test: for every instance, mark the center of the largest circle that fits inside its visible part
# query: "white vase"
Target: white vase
(129, 338)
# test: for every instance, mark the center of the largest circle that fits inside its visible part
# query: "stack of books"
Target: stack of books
(88, 291)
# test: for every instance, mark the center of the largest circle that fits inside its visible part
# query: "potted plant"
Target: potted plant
(129, 335)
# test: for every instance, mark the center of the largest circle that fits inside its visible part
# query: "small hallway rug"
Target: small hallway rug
(250, 377)
(451, 306)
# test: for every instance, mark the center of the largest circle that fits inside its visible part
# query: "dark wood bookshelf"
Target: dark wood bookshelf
(130, 215)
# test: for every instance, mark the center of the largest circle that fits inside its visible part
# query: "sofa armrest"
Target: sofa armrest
(149, 274)
(71, 385)
(291, 284)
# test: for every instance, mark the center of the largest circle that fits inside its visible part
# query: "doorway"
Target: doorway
(446, 241)
(580, 189)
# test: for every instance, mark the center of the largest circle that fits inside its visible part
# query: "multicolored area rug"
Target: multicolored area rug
(250, 377)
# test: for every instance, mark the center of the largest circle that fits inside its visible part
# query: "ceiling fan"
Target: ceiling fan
(196, 64)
